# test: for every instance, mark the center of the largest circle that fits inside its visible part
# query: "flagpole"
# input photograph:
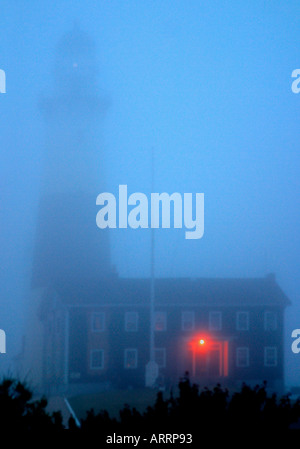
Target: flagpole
(152, 288)
(152, 367)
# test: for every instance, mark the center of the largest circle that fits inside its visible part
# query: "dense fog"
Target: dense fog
(186, 97)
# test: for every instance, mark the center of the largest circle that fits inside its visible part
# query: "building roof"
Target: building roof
(204, 292)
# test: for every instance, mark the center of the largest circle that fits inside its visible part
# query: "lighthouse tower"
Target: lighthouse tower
(68, 243)
(68, 247)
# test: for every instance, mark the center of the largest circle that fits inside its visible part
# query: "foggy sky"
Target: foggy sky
(207, 85)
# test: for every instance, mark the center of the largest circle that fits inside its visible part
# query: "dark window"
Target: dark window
(270, 356)
(130, 358)
(270, 323)
(188, 321)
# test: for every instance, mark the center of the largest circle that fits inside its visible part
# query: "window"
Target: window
(131, 321)
(270, 323)
(160, 357)
(242, 357)
(270, 356)
(242, 321)
(188, 321)
(160, 321)
(98, 322)
(215, 321)
(130, 358)
(97, 359)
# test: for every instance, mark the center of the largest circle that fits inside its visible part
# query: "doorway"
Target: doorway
(209, 359)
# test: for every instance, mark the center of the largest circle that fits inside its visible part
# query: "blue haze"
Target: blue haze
(207, 85)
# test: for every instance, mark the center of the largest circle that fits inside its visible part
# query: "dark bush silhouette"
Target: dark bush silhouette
(19, 412)
(202, 412)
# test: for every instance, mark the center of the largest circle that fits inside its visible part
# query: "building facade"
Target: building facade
(219, 330)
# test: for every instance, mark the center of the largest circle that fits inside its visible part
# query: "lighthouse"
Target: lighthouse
(68, 245)
(69, 249)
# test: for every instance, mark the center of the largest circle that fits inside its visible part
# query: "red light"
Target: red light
(201, 342)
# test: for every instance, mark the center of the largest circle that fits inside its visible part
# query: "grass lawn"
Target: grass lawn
(113, 401)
